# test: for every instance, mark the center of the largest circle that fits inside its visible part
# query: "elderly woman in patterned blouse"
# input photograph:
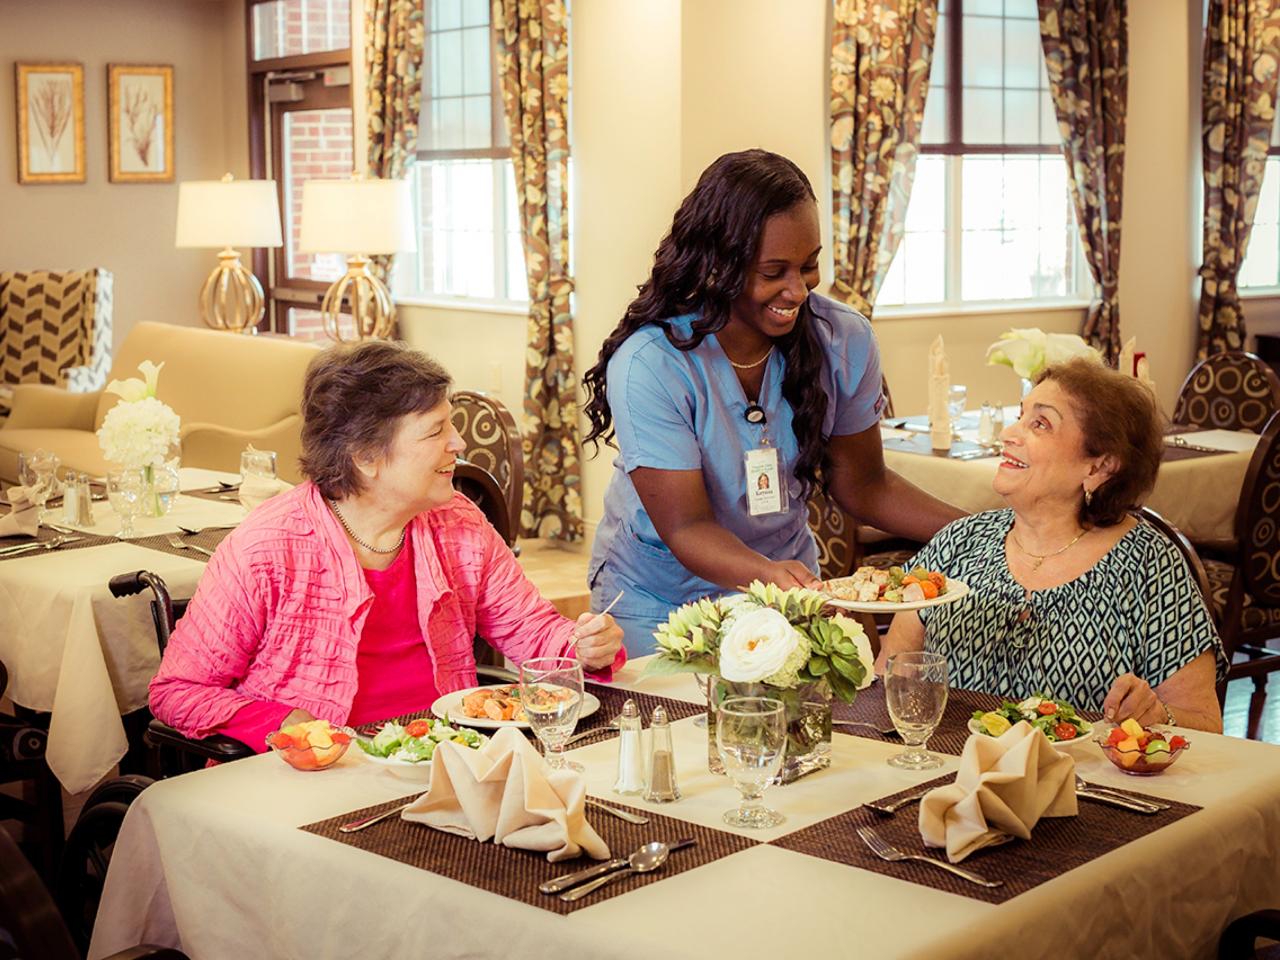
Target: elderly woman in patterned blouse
(1073, 596)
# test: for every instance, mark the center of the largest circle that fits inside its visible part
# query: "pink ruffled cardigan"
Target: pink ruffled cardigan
(279, 612)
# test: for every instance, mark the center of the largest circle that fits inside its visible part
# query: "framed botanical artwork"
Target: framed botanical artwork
(140, 132)
(50, 122)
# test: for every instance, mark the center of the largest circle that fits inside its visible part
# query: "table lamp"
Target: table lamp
(229, 213)
(357, 217)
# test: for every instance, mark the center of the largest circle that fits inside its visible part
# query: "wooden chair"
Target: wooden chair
(482, 488)
(1228, 391)
(23, 740)
(1245, 589)
(493, 444)
(1179, 540)
(834, 531)
(1239, 940)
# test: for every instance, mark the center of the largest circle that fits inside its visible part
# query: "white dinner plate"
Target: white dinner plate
(1084, 736)
(449, 707)
(955, 590)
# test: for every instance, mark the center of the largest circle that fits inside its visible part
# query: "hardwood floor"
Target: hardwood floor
(1235, 714)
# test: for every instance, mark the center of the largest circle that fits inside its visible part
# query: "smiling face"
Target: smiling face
(1044, 457)
(417, 472)
(784, 271)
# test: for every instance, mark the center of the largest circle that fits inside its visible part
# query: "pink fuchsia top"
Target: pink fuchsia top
(280, 611)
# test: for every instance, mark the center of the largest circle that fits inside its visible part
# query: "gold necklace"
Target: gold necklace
(748, 366)
(1038, 558)
(368, 546)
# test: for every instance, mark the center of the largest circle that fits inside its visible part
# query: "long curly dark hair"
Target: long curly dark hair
(701, 267)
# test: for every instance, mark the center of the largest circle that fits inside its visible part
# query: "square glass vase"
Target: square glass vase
(808, 724)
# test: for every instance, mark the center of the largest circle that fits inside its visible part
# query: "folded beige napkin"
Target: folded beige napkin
(505, 792)
(1004, 786)
(255, 490)
(939, 389)
(23, 520)
(1125, 364)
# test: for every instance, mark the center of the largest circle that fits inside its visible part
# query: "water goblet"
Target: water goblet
(165, 482)
(551, 693)
(957, 397)
(751, 735)
(38, 472)
(915, 690)
(125, 490)
(258, 463)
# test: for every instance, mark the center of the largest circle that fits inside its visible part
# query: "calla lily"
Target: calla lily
(134, 389)
(1029, 350)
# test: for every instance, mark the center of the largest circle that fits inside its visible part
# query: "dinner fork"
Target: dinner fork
(887, 851)
(53, 544)
(883, 731)
(178, 543)
(898, 804)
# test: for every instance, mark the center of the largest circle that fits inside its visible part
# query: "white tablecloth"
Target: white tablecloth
(213, 862)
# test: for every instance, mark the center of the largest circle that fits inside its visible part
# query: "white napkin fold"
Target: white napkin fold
(24, 519)
(505, 792)
(255, 490)
(939, 391)
(1004, 786)
(1140, 372)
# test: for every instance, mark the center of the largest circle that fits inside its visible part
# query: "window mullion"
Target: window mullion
(954, 227)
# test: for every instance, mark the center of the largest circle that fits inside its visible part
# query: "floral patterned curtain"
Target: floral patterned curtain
(1086, 51)
(533, 68)
(393, 55)
(1241, 51)
(880, 58)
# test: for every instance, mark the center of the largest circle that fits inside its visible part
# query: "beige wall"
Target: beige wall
(127, 228)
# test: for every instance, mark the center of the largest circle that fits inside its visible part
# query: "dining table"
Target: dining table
(244, 859)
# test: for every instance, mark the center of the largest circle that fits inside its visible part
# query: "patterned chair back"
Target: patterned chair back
(56, 327)
(1228, 391)
(834, 531)
(1258, 520)
(1179, 540)
(493, 444)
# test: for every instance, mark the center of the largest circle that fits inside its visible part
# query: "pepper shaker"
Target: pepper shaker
(662, 786)
(630, 780)
(84, 502)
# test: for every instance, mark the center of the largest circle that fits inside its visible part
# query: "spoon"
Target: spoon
(644, 860)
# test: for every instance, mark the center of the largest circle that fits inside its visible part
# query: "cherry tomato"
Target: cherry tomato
(1065, 731)
(418, 728)
(1046, 707)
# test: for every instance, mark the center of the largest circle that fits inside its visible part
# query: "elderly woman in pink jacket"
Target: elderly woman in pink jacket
(355, 596)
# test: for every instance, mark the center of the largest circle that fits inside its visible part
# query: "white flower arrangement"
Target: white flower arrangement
(140, 430)
(1029, 350)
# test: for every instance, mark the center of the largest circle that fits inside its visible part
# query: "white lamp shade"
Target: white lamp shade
(228, 213)
(357, 217)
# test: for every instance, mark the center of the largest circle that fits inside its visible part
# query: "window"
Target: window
(463, 182)
(990, 216)
(1260, 269)
(289, 28)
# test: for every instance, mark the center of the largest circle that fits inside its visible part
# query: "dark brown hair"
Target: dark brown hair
(352, 402)
(1119, 418)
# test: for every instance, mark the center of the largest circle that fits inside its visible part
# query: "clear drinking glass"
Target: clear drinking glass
(125, 490)
(38, 472)
(164, 487)
(915, 690)
(751, 734)
(957, 397)
(258, 463)
(551, 692)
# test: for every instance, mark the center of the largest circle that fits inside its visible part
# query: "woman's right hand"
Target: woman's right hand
(790, 573)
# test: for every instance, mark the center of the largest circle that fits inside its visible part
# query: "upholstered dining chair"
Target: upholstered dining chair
(55, 327)
(494, 444)
(834, 531)
(1228, 391)
(1245, 589)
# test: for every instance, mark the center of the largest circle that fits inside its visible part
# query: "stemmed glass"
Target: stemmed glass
(38, 472)
(957, 397)
(915, 690)
(751, 734)
(125, 490)
(551, 692)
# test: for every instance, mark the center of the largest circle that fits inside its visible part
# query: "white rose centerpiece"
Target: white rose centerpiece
(140, 432)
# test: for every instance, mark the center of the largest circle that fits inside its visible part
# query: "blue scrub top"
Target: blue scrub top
(684, 410)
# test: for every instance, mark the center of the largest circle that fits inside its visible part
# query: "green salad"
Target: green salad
(1056, 719)
(416, 742)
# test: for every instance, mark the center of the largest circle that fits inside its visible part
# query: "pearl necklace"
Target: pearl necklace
(352, 534)
(1038, 558)
(749, 366)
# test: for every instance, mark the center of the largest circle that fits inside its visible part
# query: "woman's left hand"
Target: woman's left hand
(1131, 696)
(599, 639)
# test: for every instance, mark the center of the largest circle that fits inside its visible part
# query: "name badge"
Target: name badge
(765, 491)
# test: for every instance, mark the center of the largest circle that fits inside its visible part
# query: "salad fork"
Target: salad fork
(887, 851)
(178, 543)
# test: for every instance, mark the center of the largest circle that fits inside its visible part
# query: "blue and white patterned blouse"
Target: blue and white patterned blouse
(1136, 611)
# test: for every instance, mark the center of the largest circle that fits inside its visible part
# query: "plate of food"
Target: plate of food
(874, 590)
(497, 706)
(407, 749)
(1056, 719)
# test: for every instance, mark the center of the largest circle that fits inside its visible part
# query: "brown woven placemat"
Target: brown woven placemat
(224, 494)
(952, 732)
(516, 873)
(1057, 845)
(208, 538)
(45, 535)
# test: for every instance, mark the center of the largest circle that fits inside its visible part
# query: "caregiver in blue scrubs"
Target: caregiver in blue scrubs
(732, 390)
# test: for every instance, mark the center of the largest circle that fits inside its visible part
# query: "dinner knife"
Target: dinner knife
(1115, 800)
(573, 879)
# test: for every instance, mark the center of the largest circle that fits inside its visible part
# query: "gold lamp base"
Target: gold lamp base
(231, 299)
(373, 315)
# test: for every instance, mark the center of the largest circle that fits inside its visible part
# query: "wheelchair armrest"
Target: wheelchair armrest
(216, 747)
(1237, 940)
(496, 674)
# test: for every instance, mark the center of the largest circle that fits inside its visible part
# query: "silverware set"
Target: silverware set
(53, 544)
(644, 859)
(1183, 444)
(1091, 791)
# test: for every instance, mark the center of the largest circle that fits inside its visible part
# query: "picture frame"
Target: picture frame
(140, 122)
(50, 114)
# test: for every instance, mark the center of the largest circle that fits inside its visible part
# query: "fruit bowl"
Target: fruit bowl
(314, 745)
(1143, 757)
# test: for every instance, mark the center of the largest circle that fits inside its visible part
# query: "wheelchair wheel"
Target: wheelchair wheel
(87, 854)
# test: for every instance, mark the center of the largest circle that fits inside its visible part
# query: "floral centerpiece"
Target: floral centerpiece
(777, 643)
(1028, 350)
(140, 432)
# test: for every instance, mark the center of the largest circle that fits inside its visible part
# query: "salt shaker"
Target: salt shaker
(662, 786)
(70, 500)
(630, 781)
(986, 426)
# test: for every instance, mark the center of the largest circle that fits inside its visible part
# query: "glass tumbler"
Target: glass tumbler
(915, 690)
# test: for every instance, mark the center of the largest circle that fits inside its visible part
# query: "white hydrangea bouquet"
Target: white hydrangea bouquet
(140, 432)
(771, 642)
(1029, 350)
